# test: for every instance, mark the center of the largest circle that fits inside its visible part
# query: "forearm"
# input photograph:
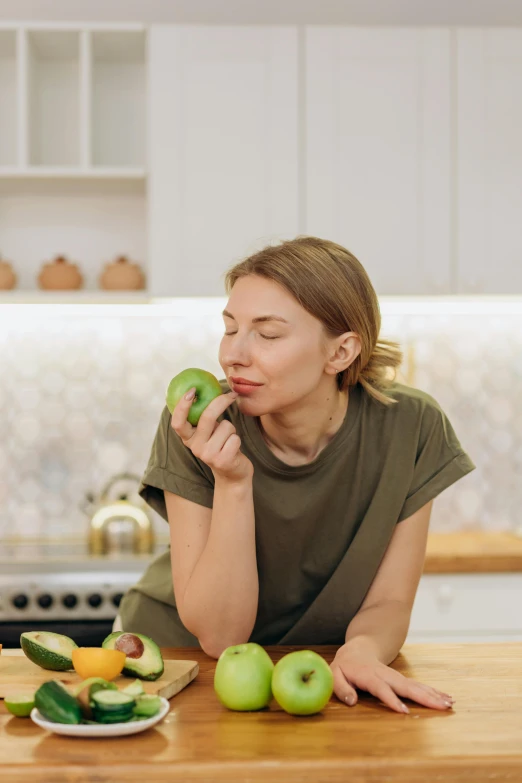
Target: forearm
(221, 598)
(379, 630)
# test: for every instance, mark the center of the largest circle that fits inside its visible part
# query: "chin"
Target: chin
(248, 406)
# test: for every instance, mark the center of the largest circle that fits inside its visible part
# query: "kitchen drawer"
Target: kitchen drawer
(467, 607)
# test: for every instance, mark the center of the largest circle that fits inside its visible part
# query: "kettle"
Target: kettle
(117, 525)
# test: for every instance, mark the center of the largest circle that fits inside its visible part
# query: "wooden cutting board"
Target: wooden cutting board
(18, 675)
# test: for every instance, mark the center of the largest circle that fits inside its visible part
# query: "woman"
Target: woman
(299, 507)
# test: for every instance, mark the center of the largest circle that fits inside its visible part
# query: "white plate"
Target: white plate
(103, 729)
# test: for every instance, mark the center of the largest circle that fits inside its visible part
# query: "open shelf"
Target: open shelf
(72, 100)
(72, 153)
(8, 98)
(53, 97)
(118, 109)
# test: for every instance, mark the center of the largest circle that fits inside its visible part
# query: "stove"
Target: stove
(57, 586)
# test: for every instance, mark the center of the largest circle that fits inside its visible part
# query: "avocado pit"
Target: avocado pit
(131, 645)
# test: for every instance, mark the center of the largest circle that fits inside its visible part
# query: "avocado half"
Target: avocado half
(144, 659)
(48, 650)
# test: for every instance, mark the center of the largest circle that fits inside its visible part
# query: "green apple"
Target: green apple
(302, 682)
(207, 388)
(243, 677)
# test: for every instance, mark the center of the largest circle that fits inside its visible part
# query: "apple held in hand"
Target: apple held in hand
(206, 385)
(302, 682)
(243, 677)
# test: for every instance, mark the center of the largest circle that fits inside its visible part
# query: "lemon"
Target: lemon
(20, 704)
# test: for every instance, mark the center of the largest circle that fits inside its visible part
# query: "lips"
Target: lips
(243, 381)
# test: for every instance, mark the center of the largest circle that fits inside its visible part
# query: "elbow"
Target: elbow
(214, 648)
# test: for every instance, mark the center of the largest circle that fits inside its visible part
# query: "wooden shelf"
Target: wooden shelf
(18, 296)
(115, 173)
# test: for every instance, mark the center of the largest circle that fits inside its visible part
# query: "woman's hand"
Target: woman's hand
(217, 444)
(354, 669)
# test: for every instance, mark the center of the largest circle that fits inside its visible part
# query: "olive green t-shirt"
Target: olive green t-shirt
(321, 528)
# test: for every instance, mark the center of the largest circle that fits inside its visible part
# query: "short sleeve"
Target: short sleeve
(172, 466)
(440, 459)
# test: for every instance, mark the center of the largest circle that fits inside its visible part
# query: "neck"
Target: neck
(304, 432)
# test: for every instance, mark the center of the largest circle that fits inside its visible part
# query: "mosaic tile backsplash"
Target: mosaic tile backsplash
(81, 396)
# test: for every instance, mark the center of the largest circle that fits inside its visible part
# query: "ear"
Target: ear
(342, 352)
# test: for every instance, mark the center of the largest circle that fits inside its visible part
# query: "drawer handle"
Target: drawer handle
(445, 593)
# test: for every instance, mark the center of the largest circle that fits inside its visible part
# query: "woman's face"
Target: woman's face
(287, 358)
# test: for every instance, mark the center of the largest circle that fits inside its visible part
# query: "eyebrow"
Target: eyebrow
(260, 318)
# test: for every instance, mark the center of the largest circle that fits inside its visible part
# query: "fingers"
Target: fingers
(387, 695)
(424, 695)
(419, 692)
(213, 447)
(389, 691)
(178, 420)
(342, 688)
(435, 692)
(227, 459)
(207, 422)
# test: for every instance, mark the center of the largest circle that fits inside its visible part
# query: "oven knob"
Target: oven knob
(45, 600)
(94, 600)
(20, 601)
(116, 599)
(69, 600)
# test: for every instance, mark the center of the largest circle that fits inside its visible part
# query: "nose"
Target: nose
(234, 351)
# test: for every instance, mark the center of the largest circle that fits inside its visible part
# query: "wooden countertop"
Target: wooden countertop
(200, 740)
(476, 552)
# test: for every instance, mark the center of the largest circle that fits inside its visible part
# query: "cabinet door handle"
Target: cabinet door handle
(445, 593)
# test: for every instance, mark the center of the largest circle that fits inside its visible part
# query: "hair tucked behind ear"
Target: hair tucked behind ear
(330, 283)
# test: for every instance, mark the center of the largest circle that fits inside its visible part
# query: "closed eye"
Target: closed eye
(265, 336)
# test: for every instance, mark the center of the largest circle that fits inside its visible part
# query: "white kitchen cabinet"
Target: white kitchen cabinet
(467, 608)
(378, 151)
(489, 161)
(223, 152)
(72, 149)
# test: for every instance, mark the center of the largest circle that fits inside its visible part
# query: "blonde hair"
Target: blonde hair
(330, 283)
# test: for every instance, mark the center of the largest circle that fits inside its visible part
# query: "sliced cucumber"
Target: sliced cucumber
(112, 706)
(147, 705)
(85, 691)
(107, 699)
(134, 689)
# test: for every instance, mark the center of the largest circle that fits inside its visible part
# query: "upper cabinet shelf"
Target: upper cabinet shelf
(73, 102)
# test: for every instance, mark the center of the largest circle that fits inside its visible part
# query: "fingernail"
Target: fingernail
(189, 395)
(405, 709)
(448, 703)
(350, 700)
